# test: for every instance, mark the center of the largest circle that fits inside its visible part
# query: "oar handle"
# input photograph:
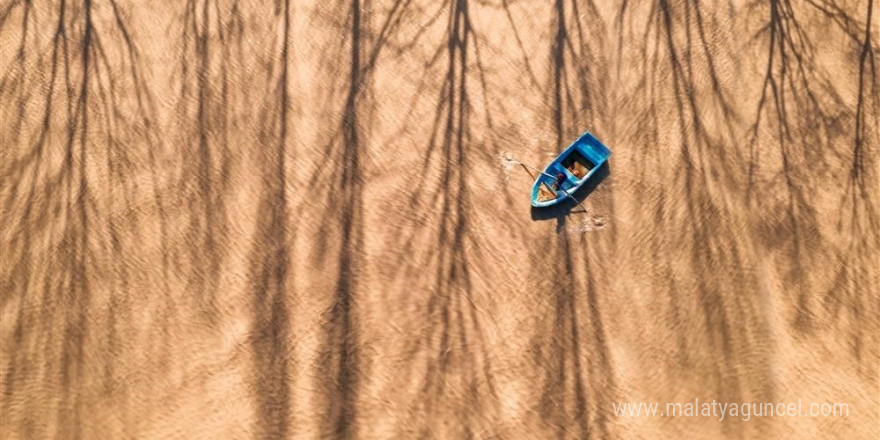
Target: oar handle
(536, 170)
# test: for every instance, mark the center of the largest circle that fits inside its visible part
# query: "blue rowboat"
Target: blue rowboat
(576, 164)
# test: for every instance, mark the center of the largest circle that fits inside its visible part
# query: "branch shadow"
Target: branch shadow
(454, 392)
(80, 98)
(680, 64)
(845, 297)
(807, 111)
(206, 157)
(570, 381)
(340, 357)
(270, 276)
(563, 403)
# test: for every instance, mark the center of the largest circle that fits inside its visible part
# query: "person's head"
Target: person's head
(560, 176)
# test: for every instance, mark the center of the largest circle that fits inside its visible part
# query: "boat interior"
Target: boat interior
(578, 165)
(546, 192)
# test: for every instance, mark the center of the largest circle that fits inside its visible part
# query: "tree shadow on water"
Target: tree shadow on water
(569, 333)
(453, 391)
(211, 30)
(557, 349)
(694, 221)
(341, 355)
(341, 360)
(859, 219)
(270, 275)
(801, 111)
(69, 113)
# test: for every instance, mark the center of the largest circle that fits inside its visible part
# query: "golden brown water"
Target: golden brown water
(239, 219)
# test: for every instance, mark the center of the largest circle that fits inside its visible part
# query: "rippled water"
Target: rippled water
(308, 220)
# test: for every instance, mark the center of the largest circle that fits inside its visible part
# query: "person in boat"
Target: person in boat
(560, 177)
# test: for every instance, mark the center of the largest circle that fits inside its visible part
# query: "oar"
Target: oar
(577, 203)
(533, 168)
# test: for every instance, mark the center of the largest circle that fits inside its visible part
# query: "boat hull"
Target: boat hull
(580, 161)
